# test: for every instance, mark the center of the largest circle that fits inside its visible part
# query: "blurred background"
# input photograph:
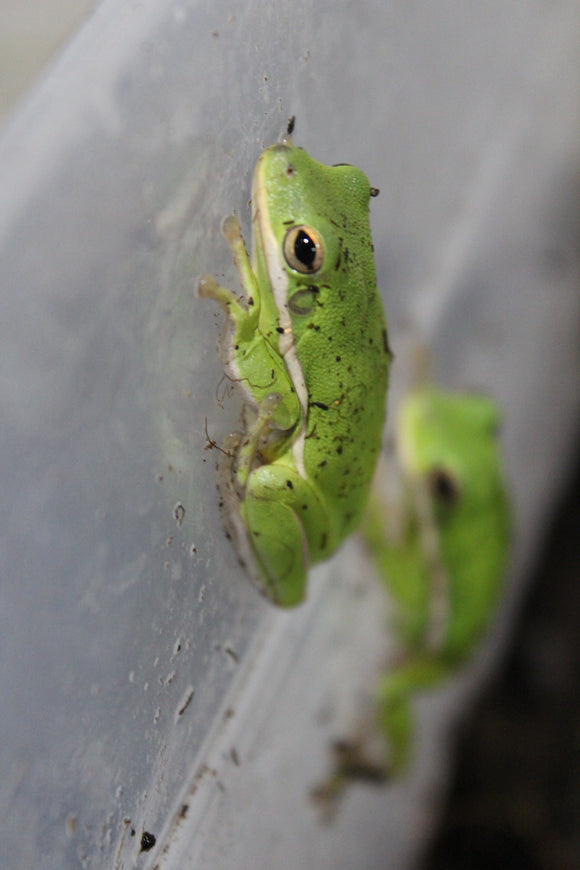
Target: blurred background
(31, 35)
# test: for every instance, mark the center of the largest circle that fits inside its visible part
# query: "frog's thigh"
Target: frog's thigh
(277, 507)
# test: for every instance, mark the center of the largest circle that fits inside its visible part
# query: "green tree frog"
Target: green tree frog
(438, 532)
(308, 346)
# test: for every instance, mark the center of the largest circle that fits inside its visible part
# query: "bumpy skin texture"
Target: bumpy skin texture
(309, 348)
(442, 555)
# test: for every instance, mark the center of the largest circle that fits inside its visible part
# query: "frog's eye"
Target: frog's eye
(303, 249)
(443, 486)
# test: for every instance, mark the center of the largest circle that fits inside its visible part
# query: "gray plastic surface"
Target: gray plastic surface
(145, 685)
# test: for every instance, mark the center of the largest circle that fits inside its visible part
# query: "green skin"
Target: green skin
(308, 346)
(438, 533)
(443, 550)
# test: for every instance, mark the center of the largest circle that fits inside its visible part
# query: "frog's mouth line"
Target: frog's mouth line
(265, 239)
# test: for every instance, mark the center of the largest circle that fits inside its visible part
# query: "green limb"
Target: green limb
(232, 233)
(244, 317)
(244, 320)
(249, 447)
(279, 547)
(288, 527)
(394, 696)
(208, 286)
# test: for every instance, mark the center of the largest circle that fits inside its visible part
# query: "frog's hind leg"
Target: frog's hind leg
(394, 695)
(279, 543)
(266, 531)
(230, 501)
(267, 536)
(288, 525)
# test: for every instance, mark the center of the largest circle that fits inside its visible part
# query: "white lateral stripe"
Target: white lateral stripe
(298, 452)
(279, 283)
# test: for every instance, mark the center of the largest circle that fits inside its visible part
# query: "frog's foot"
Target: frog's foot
(351, 763)
(208, 288)
(355, 763)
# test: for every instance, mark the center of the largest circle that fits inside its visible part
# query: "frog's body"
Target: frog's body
(437, 530)
(452, 534)
(308, 345)
(441, 549)
(309, 348)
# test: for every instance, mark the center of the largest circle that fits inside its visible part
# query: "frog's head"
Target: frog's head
(297, 206)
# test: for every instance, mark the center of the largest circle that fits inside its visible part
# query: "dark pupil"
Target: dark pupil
(305, 249)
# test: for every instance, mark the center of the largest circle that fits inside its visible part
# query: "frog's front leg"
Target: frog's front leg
(250, 357)
(245, 319)
(268, 505)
